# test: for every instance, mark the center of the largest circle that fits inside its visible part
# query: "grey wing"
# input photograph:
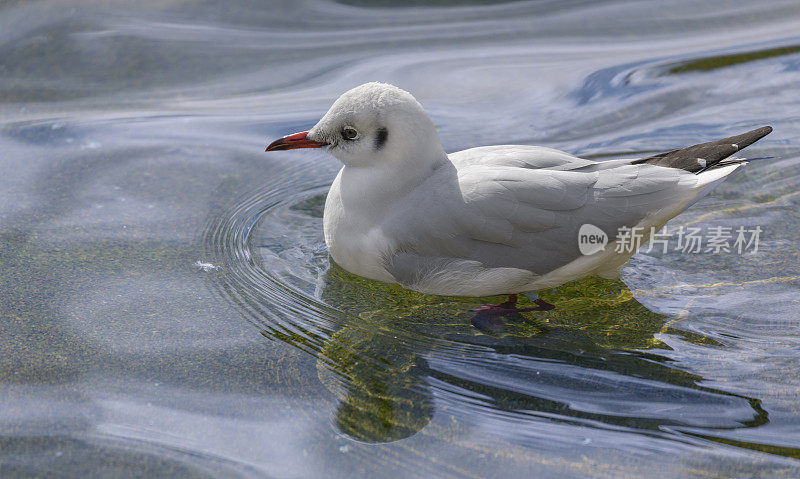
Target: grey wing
(507, 217)
(518, 156)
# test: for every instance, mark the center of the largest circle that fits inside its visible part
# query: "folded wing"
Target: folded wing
(524, 217)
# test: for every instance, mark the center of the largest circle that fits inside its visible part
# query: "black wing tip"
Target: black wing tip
(761, 132)
(703, 156)
(746, 139)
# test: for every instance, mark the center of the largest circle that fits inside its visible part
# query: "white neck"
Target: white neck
(359, 200)
(369, 190)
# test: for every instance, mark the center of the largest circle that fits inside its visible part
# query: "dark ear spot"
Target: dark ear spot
(380, 138)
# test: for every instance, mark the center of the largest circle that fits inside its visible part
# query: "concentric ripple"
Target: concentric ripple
(394, 357)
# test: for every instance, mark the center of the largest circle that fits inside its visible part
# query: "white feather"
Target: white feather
(484, 221)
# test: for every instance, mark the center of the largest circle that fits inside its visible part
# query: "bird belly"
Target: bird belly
(359, 254)
(470, 278)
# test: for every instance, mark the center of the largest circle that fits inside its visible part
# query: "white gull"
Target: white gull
(490, 220)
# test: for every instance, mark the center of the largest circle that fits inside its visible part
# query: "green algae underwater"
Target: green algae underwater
(376, 369)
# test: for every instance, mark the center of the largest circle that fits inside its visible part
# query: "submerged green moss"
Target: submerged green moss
(714, 63)
(376, 364)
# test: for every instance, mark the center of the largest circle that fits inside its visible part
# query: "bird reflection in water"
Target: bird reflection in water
(582, 362)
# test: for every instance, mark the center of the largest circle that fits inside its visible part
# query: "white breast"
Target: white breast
(353, 239)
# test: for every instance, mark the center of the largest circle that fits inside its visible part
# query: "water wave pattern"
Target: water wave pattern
(687, 364)
(542, 377)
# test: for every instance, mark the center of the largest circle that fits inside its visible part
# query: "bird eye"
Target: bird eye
(349, 133)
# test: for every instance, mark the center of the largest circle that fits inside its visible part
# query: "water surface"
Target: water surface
(168, 307)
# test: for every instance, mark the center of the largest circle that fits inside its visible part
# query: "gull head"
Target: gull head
(375, 124)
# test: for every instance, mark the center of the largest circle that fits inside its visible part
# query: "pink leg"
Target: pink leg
(489, 316)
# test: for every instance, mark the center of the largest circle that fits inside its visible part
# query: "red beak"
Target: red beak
(291, 142)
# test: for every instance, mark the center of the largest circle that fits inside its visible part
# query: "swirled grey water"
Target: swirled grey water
(169, 307)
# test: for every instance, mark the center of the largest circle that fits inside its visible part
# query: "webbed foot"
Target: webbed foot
(489, 316)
